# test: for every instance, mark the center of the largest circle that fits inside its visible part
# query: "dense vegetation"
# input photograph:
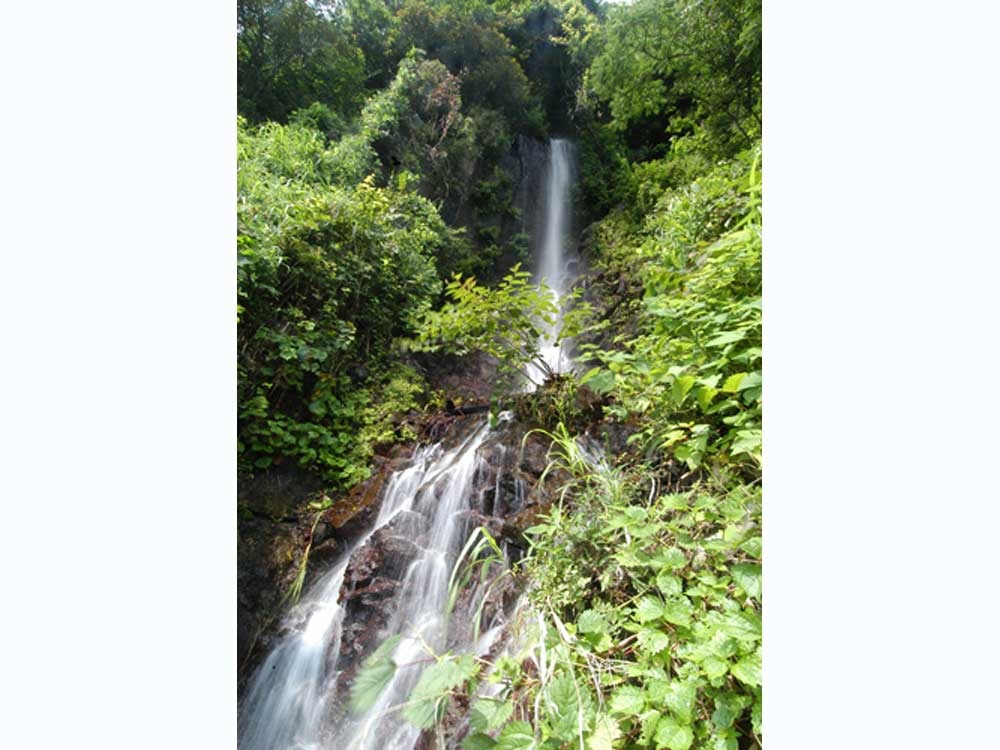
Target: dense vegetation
(376, 218)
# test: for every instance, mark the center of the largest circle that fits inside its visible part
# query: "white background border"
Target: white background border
(117, 291)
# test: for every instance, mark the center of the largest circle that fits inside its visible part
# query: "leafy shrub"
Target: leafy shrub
(693, 375)
(511, 322)
(329, 275)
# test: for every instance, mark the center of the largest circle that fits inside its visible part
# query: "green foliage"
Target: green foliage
(467, 38)
(693, 375)
(319, 117)
(429, 696)
(376, 672)
(692, 62)
(511, 322)
(329, 275)
(644, 573)
(291, 53)
(481, 555)
(664, 591)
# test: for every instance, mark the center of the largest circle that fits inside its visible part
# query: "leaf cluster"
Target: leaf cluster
(512, 322)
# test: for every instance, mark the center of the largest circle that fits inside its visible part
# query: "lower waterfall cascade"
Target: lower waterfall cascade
(294, 700)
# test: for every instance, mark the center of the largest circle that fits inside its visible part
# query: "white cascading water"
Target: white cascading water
(293, 695)
(554, 263)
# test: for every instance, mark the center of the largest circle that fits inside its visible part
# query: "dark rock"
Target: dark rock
(397, 552)
(498, 528)
(359, 637)
(534, 455)
(528, 517)
(612, 436)
(324, 553)
(372, 594)
(320, 533)
(364, 564)
(356, 510)
(408, 523)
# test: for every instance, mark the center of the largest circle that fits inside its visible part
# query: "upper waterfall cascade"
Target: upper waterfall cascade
(555, 262)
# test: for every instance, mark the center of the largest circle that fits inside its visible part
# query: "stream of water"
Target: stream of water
(555, 263)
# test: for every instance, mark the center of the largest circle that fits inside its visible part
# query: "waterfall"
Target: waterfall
(293, 701)
(554, 264)
(297, 697)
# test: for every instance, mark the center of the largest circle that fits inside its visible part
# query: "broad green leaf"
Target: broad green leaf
(670, 734)
(745, 626)
(668, 584)
(747, 443)
(628, 700)
(599, 380)
(727, 337)
(680, 388)
(723, 645)
(436, 683)
(677, 610)
(653, 641)
(675, 501)
(723, 740)
(732, 384)
(478, 741)
(753, 546)
(672, 558)
(680, 700)
(714, 668)
(591, 622)
(562, 692)
(656, 691)
(489, 713)
(752, 380)
(747, 670)
(648, 609)
(705, 394)
(755, 717)
(734, 534)
(518, 735)
(375, 673)
(648, 721)
(728, 708)
(747, 576)
(606, 731)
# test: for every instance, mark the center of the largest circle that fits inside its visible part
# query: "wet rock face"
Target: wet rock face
(272, 533)
(506, 500)
(533, 457)
(356, 511)
(408, 523)
(466, 379)
(274, 525)
(499, 528)
(372, 594)
(364, 564)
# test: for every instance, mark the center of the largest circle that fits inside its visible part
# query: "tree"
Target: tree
(291, 53)
(697, 62)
